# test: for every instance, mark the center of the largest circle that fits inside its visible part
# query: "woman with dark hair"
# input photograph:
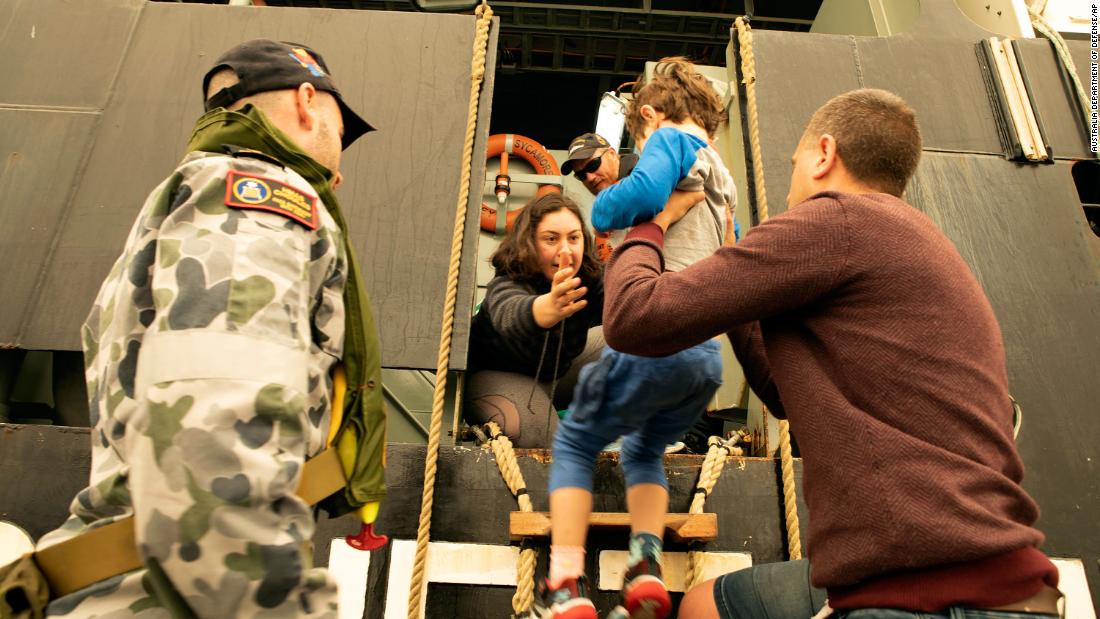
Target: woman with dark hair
(539, 322)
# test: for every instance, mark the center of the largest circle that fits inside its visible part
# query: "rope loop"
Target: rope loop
(790, 503)
(786, 460)
(748, 71)
(484, 16)
(713, 464)
(528, 556)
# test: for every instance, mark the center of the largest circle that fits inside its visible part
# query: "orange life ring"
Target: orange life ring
(530, 151)
(603, 246)
(544, 163)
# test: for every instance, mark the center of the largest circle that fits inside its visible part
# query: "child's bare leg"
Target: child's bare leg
(644, 594)
(648, 504)
(569, 511)
(566, 592)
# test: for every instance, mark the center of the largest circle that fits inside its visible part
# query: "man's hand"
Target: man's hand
(565, 296)
(679, 203)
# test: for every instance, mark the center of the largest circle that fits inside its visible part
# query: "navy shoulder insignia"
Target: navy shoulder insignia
(243, 190)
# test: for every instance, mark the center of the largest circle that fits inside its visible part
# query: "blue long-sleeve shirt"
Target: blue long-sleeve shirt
(672, 159)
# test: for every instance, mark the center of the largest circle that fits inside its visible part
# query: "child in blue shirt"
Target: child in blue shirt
(649, 401)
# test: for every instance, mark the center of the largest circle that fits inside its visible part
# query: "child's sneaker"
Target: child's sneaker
(644, 593)
(569, 601)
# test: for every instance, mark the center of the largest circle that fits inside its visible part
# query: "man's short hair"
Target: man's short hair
(876, 134)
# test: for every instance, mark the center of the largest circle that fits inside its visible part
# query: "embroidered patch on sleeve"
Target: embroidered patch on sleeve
(251, 191)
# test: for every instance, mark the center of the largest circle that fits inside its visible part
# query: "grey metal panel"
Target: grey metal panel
(943, 19)
(42, 468)
(59, 53)
(1055, 99)
(1022, 230)
(36, 183)
(467, 275)
(942, 81)
(795, 74)
(934, 68)
(407, 73)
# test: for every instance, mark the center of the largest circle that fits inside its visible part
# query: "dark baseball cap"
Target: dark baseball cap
(583, 148)
(263, 65)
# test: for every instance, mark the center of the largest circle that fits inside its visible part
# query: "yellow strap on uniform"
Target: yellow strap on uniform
(111, 550)
(339, 388)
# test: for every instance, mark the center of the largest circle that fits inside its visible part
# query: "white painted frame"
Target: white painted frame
(492, 565)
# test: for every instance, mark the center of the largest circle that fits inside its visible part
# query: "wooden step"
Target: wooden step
(680, 527)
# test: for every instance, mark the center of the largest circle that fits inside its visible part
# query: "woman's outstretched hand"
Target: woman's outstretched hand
(565, 297)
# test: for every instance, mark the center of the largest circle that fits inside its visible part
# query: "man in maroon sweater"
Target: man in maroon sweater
(857, 319)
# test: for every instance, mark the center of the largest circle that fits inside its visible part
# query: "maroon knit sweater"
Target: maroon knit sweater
(857, 319)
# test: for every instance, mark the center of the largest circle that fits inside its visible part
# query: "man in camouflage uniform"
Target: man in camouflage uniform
(209, 350)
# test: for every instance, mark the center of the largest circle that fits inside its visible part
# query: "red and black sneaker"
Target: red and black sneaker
(644, 593)
(569, 601)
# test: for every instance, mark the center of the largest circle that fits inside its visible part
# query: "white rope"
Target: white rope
(1060, 48)
(501, 445)
(423, 531)
(712, 468)
(786, 461)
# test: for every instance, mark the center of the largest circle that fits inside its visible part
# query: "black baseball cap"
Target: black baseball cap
(263, 65)
(583, 148)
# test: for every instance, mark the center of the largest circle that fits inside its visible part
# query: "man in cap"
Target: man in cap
(210, 353)
(595, 163)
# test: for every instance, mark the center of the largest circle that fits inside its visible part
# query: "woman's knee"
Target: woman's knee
(517, 403)
(497, 409)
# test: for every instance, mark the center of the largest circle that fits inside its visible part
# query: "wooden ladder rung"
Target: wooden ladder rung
(680, 527)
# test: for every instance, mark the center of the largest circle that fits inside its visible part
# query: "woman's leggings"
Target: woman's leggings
(528, 418)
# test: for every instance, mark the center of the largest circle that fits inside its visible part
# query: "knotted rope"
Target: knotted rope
(484, 16)
(528, 557)
(748, 72)
(748, 78)
(712, 468)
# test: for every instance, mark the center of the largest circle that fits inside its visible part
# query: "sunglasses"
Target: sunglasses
(591, 167)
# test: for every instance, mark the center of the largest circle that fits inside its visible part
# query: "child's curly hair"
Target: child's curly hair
(679, 92)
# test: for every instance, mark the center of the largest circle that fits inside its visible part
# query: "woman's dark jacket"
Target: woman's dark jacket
(504, 335)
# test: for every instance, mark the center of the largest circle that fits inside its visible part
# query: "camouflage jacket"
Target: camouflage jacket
(208, 356)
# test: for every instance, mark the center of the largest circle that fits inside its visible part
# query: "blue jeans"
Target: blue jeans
(652, 401)
(950, 613)
(783, 591)
(768, 591)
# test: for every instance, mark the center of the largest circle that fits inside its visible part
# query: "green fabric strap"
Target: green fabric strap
(363, 404)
